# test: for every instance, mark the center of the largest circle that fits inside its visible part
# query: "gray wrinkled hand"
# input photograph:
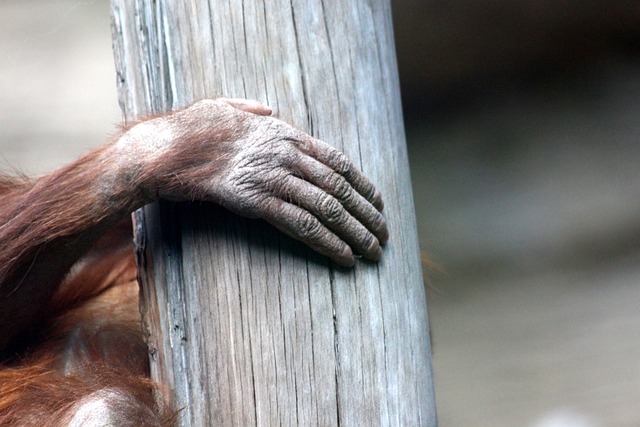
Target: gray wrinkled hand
(265, 168)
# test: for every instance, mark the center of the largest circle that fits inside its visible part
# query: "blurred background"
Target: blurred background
(523, 125)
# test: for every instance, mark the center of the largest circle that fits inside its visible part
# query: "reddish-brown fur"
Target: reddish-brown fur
(69, 322)
(87, 339)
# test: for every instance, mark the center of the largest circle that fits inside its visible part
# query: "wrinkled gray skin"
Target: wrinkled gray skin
(232, 152)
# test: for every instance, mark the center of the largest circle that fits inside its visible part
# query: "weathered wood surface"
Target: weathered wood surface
(247, 326)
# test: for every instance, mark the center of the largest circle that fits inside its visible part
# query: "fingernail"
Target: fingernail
(378, 254)
(384, 235)
(345, 262)
(346, 259)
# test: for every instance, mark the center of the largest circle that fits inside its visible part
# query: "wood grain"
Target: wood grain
(246, 326)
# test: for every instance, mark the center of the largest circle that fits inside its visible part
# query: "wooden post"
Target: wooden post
(245, 325)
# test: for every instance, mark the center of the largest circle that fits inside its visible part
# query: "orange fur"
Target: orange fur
(85, 342)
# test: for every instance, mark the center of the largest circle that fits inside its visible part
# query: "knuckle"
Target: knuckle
(308, 227)
(283, 189)
(373, 193)
(245, 200)
(340, 162)
(247, 186)
(273, 128)
(266, 204)
(369, 243)
(244, 182)
(367, 189)
(341, 189)
(331, 210)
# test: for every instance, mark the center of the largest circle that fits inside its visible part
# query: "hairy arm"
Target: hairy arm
(225, 151)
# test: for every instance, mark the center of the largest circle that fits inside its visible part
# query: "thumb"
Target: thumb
(248, 105)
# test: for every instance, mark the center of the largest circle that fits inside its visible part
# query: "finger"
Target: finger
(338, 186)
(337, 161)
(249, 105)
(301, 225)
(334, 216)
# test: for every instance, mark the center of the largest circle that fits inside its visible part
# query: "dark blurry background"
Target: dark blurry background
(523, 124)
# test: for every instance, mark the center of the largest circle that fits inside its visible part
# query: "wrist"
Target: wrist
(132, 162)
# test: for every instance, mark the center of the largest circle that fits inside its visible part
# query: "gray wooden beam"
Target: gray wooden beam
(245, 325)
